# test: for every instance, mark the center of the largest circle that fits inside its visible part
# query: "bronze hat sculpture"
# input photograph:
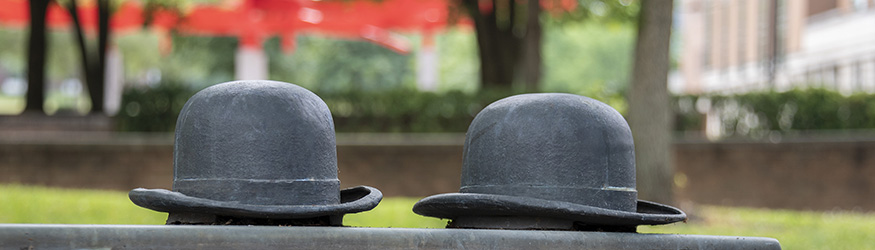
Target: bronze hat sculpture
(256, 150)
(548, 161)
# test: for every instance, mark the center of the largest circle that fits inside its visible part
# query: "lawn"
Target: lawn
(10, 105)
(794, 229)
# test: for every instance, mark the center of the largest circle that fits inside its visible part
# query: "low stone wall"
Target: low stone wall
(32, 121)
(398, 165)
(801, 174)
(86, 160)
(818, 174)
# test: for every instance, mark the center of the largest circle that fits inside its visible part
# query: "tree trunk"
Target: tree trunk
(531, 63)
(509, 43)
(94, 66)
(72, 8)
(36, 59)
(98, 88)
(649, 110)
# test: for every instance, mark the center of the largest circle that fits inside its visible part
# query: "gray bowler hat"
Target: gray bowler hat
(256, 149)
(548, 161)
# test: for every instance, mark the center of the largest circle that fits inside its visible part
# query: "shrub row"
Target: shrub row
(405, 110)
(154, 109)
(757, 114)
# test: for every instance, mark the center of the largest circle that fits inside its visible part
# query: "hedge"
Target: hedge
(761, 113)
(406, 110)
(154, 109)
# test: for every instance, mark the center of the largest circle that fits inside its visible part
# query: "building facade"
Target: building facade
(735, 46)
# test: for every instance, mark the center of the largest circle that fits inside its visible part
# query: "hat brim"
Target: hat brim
(453, 205)
(352, 200)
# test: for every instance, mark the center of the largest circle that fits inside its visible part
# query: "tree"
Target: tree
(509, 34)
(93, 65)
(649, 110)
(36, 60)
(509, 41)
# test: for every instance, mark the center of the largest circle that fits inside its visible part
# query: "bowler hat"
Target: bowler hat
(256, 149)
(548, 161)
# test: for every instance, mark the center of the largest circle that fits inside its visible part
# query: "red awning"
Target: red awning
(16, 13)
(254, 20)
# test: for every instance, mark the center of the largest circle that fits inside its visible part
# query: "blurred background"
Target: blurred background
(755, 117)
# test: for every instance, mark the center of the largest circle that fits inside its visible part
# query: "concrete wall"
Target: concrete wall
(800, 174)
(813, 174)
(398, 165)
(86, 160)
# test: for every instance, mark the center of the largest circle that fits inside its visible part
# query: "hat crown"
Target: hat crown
(255, 140)
(552, 146)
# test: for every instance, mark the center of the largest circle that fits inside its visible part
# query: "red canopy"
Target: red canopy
(16, 13)
(254, 20)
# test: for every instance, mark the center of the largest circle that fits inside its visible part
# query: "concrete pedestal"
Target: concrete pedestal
(37, 236)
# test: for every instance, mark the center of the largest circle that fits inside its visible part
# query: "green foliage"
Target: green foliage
(140, 52)
(458, 61)
(398, 110)
(758, 114)
(687, 117)
(14, 52)
(62, 59)
(370, 88)
(153, 109)
(193, 60)
(176, 6)
(588, 59)
(404, 110)
(332, 65)
(624, 11)
(200, 61)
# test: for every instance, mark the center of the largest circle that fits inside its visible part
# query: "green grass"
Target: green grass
(29, 204)
(10, 105)
(393, 212)
(13, 105)
(794, 229)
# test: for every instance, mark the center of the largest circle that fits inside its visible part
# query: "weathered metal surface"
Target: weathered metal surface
(255, 150)
(549, 156)
(29, 236)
